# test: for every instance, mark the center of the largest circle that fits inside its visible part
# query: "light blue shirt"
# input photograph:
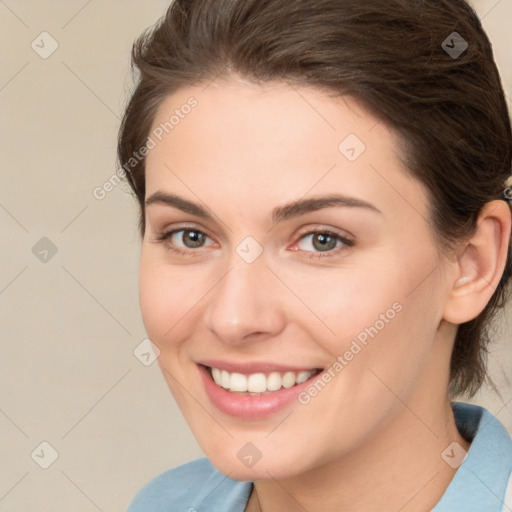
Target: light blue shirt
(479, 485)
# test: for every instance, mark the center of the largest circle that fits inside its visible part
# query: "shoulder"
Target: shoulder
(188, 487)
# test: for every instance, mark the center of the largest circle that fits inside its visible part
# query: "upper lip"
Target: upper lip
(254, 366)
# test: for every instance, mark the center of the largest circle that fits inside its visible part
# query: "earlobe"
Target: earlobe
(480, 264)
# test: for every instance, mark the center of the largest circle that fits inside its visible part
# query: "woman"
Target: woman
(325, 238)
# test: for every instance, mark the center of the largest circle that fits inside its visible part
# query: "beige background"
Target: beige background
(70, 324)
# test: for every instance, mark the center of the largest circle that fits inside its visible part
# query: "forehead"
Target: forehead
(233, 137)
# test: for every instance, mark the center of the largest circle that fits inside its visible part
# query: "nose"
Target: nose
(245, 304)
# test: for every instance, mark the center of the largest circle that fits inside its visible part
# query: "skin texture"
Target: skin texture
(372, 439)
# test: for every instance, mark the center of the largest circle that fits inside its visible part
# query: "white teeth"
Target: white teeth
(238, 382)
(289, 379)
(257, 383)
(216, 374)
(273, 381)
(302, 377)
(224, 379)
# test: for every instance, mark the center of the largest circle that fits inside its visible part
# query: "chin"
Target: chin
(238, 464)
(260, 470)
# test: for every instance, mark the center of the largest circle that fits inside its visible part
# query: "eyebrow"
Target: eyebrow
(178, 202)
(279, 214)
(303, 206)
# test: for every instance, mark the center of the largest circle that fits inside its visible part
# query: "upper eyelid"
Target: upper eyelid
(299, 232)
(346, 238)
(341, 233)
(291, 212)
(328, 233)
(214, 220)
(184, 227)
(166, 234)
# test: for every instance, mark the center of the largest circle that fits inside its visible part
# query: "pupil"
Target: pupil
(323, 242)
(193, 239)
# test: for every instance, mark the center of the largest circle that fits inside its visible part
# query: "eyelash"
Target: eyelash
(309, 254)
(163, 237)
(345, 243)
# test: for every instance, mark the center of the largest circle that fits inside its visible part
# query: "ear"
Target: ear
(480, 264)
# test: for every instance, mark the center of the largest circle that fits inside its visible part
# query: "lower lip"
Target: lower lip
(246, 406)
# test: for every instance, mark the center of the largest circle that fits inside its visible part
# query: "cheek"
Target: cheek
(167, 300)
(381, 315)
(343, 302)
(166, 296)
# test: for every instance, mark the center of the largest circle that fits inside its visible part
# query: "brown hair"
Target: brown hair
(395, 58)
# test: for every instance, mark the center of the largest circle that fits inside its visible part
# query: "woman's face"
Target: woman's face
(283, 237)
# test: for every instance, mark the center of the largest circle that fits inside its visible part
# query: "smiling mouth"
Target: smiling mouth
(256, 384)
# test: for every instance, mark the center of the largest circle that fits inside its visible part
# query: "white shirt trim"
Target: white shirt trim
(507, 500)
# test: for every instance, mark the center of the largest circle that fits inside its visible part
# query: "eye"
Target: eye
(184, 240)
(191, 238)
(322, 243)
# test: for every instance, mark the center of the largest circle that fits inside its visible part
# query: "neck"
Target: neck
(401, 470)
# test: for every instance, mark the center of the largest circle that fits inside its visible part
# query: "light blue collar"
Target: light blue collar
(480, 482)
